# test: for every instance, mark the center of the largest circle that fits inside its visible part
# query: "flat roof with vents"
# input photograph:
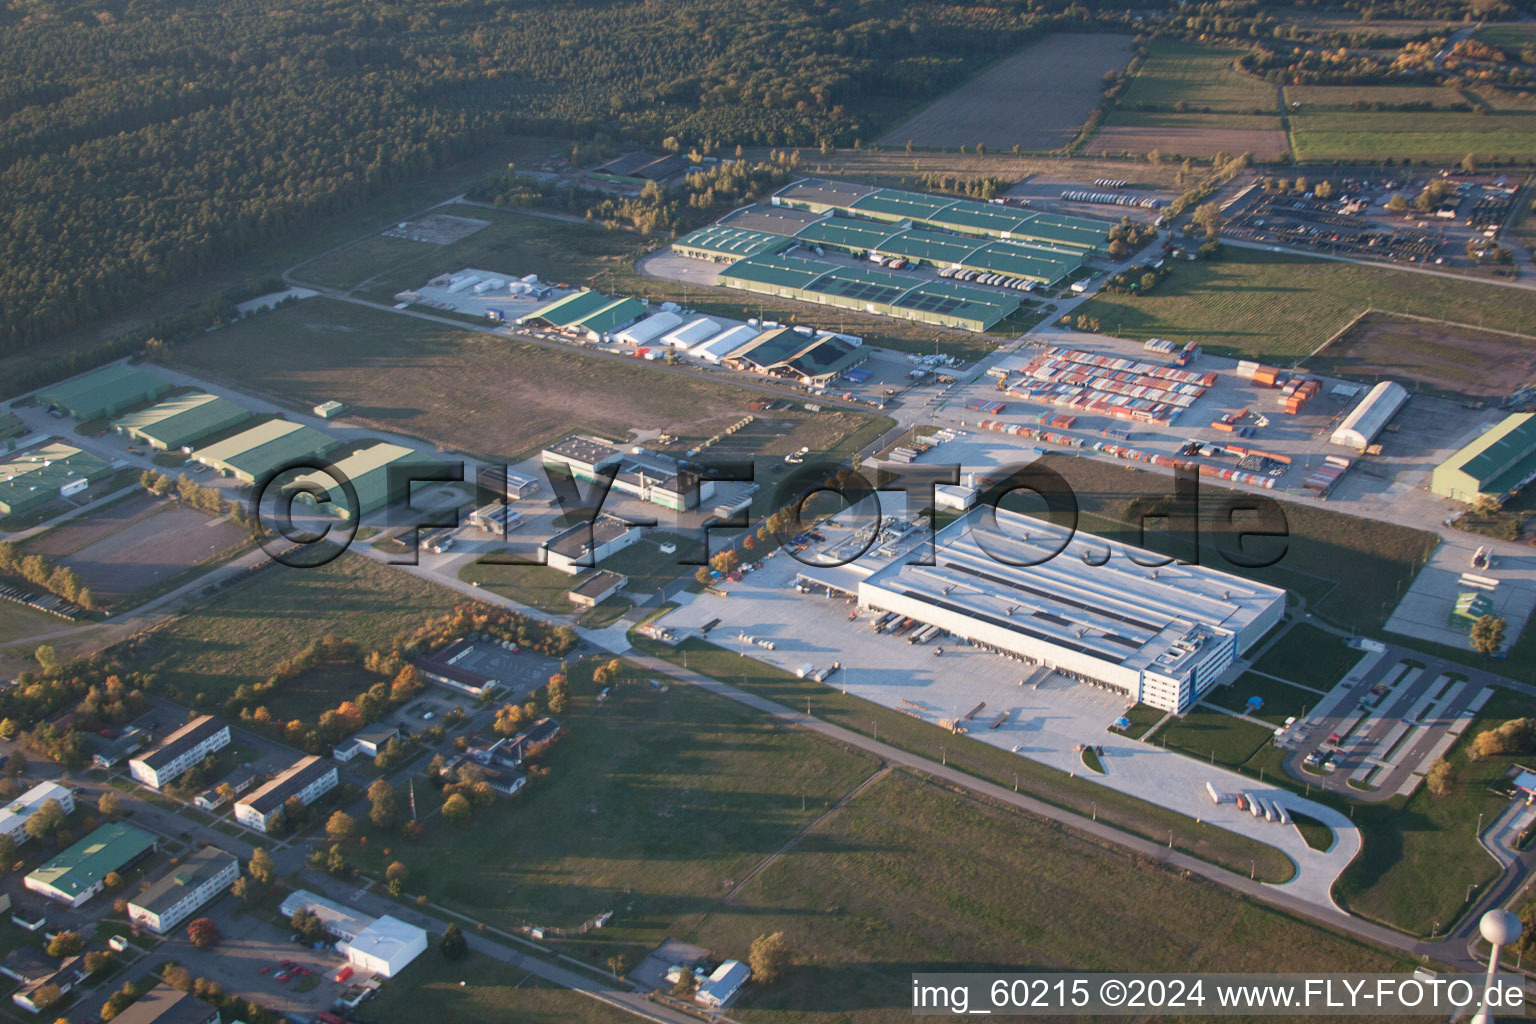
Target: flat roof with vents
(845, 232)
(34, 476)
(772, 220)
(789, 272)
(876, 287)
(724, 241)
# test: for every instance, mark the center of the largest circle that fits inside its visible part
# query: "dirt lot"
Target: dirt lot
(72, 535)
(150, 549)
(438, 228)
(1062, 75)
(465, 390)
(1459, 361)
(1186, 139)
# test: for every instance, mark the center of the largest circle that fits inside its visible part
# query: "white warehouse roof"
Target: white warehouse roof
(386, 946)
(723, 344)
(23, 807)
(343, 922)
(691, 333)
(649, 329)
(1375, 411)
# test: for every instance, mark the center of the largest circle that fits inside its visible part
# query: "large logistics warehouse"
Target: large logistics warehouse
(106, 392)
(1368, 418)
(943, 303)
(182, 421)
(264, 449)
(1030, 588)
(1496, 465)
(38, 475)
(722, 244)
(368, 470)
(962, 216)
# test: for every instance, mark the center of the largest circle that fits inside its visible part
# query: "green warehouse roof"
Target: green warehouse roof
(1500, 461)
(877, 287)
(778, 271)
(728, 241)
(84, 865)
(949, 300)
(931, 246)
(1077, 232)
(109, 390)
(1023, 261)
(845, 233)
(888, 203)
(183, 420)
(616, 314)
(265, 448)
(34, 476)
(569, 310)
(368, 471)
(987, 218)
(11, 426)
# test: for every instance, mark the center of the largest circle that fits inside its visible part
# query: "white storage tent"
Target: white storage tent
(691, 333)
(649, 329)
(723, 344)
(1375, 411)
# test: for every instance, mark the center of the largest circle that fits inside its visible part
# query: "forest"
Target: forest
(144, 142)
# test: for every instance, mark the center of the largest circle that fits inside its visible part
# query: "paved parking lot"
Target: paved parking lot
(1425, 609)
(1047, 715)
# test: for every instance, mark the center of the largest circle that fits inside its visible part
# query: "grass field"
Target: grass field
(1280, 307)
(1063, 74)
(1344, 97)
(1347, 568)
(1213, 736)
(1188, 100)
(433, 989)
(537, 586)
(1421, 853)
(982, 760)
(1310, 656)
(511, 243)
(1509, 36)
(910, 876)
(1281, 700)
(242, 635)
(466, 390)
(1434, 136)
(654, 804)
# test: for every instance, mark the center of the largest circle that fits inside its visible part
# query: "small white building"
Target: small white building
(585, 545)
(179, 751)
(13, 820)
(721, 986)
(386, 946)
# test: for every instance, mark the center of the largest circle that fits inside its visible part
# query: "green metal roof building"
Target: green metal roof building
(1495, 465)
(965, 216)
(1470, 606)
(182, 421)
(589, 314)
(368, 471)
(38, 475)
(721, 244)
(942, 303)
(11, 426)
(76, 875)
(265, 448)
(845, 233)
(809, 359)
(106, 392)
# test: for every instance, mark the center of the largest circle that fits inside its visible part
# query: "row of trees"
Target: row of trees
(40, 571)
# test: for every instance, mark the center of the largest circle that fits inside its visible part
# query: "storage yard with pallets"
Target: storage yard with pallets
(1244, 423)
(1063, 74)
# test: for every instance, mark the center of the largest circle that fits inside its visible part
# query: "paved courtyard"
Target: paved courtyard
(1426, 607)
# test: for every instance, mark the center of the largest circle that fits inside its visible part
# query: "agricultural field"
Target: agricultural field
(654, 803)
(1458, 362)
(1509, 36)
(912, 873)
(242, 635)
(135, 544)
(1280, 307)
(461, 389)
(1063, 76)
(1188, 100)
(1309, 98)
(1507, 132)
